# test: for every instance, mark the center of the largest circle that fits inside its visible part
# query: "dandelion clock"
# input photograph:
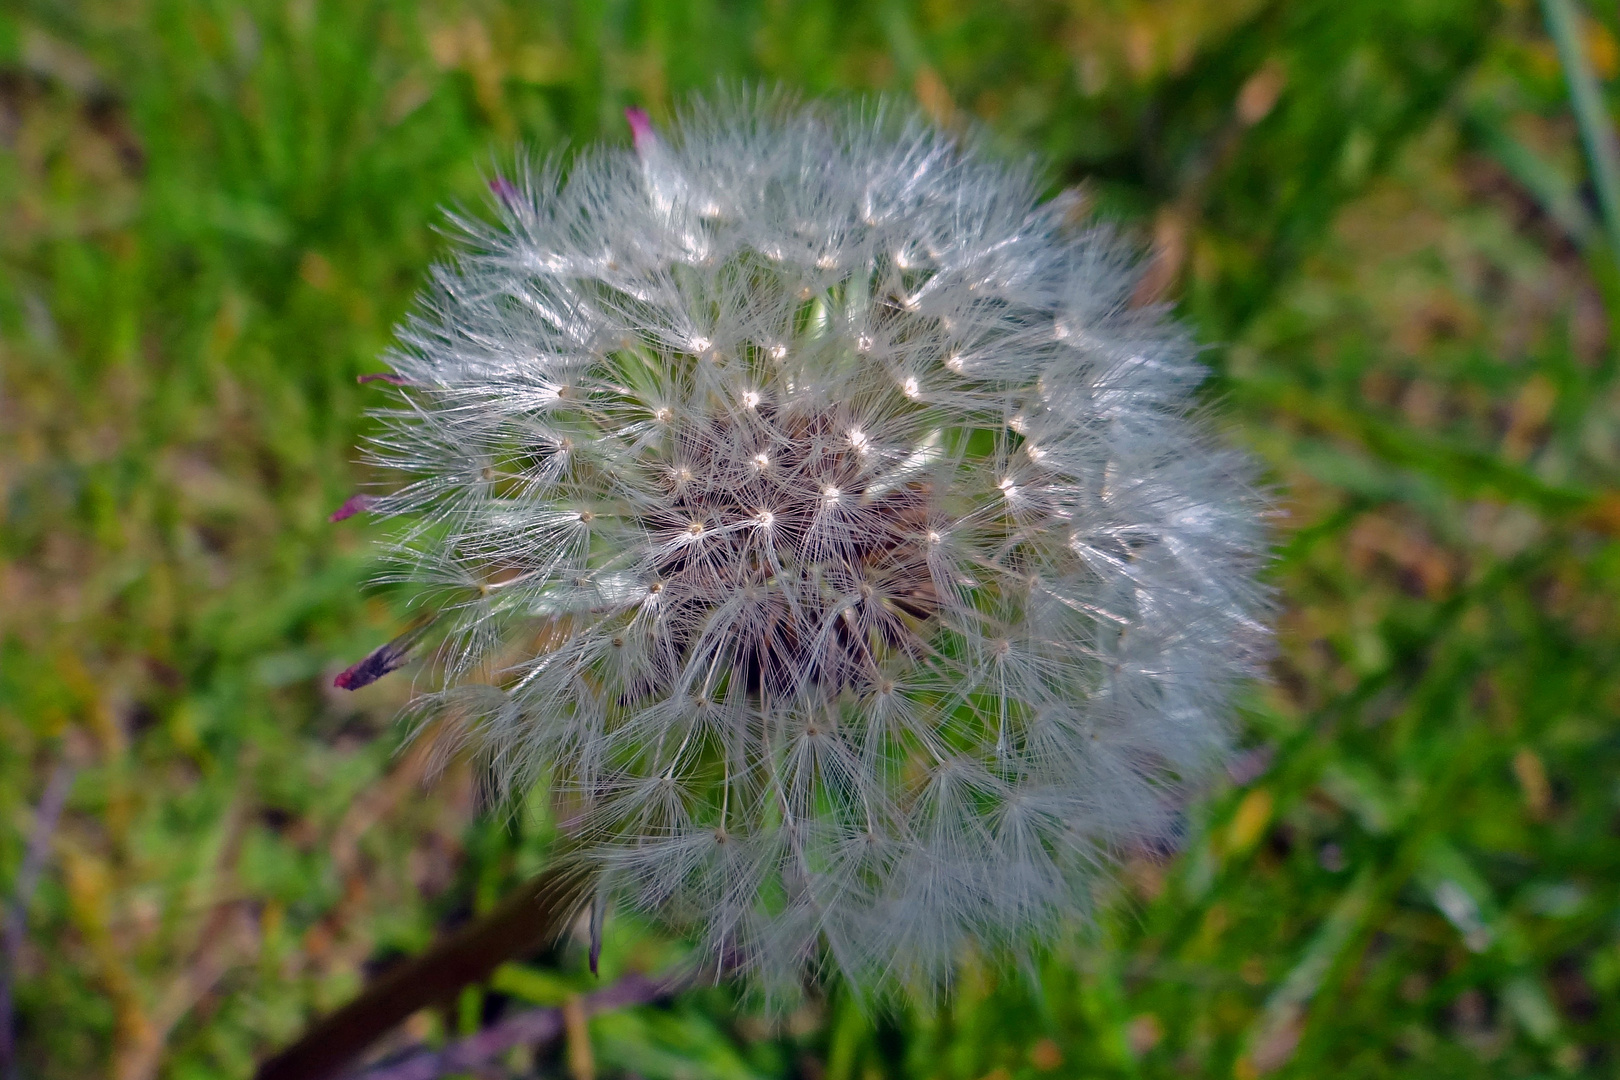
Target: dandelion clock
(805, 509)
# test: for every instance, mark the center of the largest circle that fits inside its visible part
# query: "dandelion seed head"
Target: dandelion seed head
(840, 680)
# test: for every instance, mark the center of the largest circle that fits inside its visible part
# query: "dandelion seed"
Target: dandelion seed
(837, 681)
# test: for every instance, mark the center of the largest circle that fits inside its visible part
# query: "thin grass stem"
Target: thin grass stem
(1586, 98)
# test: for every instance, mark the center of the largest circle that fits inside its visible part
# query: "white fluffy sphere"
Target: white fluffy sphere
(811, 510)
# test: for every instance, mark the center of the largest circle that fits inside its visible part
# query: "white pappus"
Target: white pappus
(810, 509)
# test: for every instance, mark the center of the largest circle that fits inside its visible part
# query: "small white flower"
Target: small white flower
(853, 675)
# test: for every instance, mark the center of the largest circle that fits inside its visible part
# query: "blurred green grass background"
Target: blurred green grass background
(1375, 212)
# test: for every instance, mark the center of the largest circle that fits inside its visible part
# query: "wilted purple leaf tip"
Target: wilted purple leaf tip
(504, 189)
(641, 129)
(379, 662)
(354, 504)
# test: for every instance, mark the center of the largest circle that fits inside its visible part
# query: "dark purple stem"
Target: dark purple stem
(16, 925)
(530, 1026)
(536, 912)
